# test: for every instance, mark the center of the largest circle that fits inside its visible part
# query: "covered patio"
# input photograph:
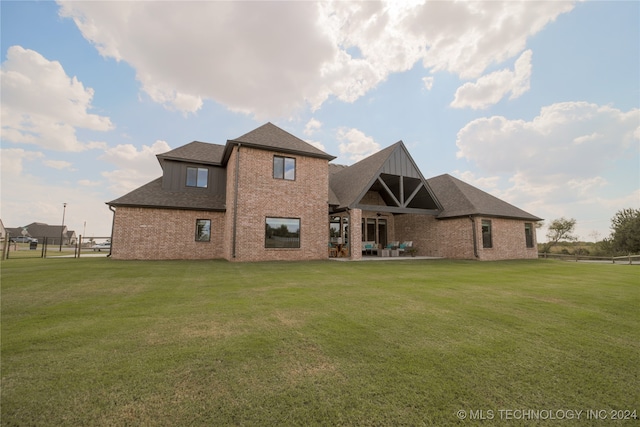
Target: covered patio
(371, 202)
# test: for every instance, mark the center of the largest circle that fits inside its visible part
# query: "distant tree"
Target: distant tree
(560, 229)
(625, 231)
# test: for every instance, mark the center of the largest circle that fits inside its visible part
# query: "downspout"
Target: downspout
(113, 224)
(475, 238)
(235, 204)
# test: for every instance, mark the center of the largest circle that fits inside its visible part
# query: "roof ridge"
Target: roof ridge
(275, 138)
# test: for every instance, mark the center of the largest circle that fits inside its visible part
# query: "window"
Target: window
(203, 230)
(282, 233)
(486, 234)
(335, 233)
(197, 177)
(528, 234)
(339, 230)
(284, 168)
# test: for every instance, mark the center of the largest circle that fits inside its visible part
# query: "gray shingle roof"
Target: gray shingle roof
(152, 195)
(196, 151)
(348, 183)
(461, 199)
(271, 137)
(40, 230)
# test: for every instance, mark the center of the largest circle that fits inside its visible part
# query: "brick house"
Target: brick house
(269, 195)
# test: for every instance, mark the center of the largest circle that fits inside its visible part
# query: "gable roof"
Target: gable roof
(461, 199)
(40, 229)
(350, 184)
(15, 231)
(152, 195)
(271, 137)
(196, 151)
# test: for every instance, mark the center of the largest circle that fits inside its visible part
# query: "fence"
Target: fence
(49, 248)
(626, 259)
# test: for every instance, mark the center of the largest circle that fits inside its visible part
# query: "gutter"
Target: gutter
(475, 237)
(113, 223)
(235, 204)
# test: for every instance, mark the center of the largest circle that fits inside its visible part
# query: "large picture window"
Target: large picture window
(282, 233)
(486, 234)
(197, 177)
(203, 230)
(284, 168)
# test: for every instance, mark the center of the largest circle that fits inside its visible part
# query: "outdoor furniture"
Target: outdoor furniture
(392, 245)
(343, 251)
(405, 245)
(369, 247)
(333, 251)
(384, 253)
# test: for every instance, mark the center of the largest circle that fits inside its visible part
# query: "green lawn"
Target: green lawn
(96, 341)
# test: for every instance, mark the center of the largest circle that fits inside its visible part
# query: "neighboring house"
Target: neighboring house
(269, 195)
(42, 231)
(17, 232)
(3, 231)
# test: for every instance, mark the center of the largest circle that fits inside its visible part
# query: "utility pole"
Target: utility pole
(64, 209)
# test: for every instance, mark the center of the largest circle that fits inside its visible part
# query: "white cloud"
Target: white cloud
(27, 198)
(43, 106)
(135, 167)
(88, 183)
(58, 164)
(485, 183)
(319, 145)
(270, 58)
(556, 164)
(546, 145)
(428, 82)
(467, 37)
(355, 144)
(261, 57)
(12, 160)
(491, 88)
(312, 127)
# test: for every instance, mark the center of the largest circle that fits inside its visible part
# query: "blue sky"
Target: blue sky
(534, 102)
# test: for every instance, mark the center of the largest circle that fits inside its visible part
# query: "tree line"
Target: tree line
(624, 238)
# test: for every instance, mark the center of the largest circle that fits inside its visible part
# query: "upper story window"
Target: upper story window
(284, 168)
(197, 177)
(487, 240)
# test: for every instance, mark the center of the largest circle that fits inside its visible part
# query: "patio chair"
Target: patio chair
(405, 245)
(392, 245)
(333, 251)
(369, 247)
(344, 252)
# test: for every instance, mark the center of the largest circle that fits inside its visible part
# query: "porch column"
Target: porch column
(355, 233)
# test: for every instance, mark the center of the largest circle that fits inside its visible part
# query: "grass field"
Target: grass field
(104, 342)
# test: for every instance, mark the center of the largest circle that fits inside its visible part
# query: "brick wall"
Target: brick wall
(143, 233)
(432, 237)
(453, 238)
(508, 240)
(261, 196)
